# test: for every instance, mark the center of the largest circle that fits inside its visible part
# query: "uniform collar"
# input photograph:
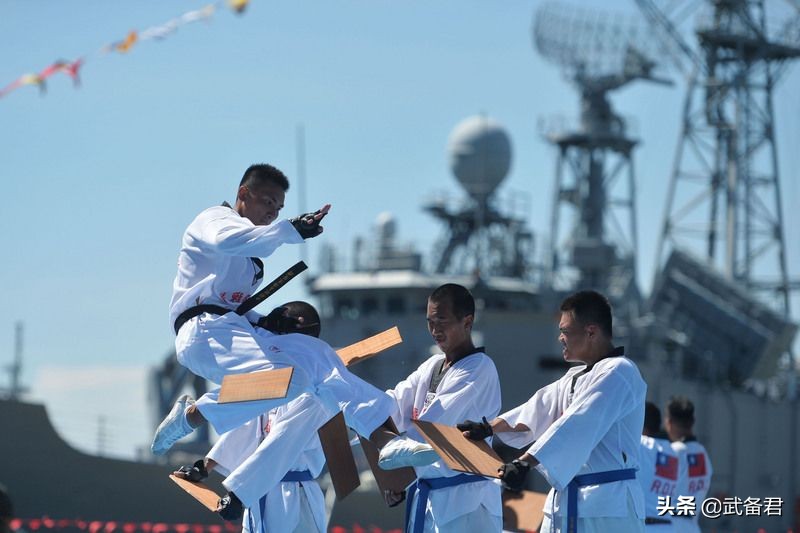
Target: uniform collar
(619, 351)
(478, 349)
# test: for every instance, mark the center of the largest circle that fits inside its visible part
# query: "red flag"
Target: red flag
(697, 464)
(666, 466)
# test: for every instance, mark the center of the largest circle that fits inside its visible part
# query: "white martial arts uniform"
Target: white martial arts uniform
(587, 422)
(694, 479)
(658, 476)
(470, 389)
(216, 266)
(248, 454)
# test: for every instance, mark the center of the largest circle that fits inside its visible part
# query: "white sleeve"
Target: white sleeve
(566, 445)
(403, 395)
(538, 413)
(289, 435)
(235, 446)
(236, 235)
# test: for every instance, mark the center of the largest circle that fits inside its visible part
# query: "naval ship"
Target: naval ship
(697, 334)
(703, 331)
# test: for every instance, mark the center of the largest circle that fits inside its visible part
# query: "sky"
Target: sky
(101, 180)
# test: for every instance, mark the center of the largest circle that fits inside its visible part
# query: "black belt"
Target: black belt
(248, 304)
(198, 310)
(653, 521)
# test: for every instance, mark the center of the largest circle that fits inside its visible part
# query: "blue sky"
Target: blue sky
(100, 181)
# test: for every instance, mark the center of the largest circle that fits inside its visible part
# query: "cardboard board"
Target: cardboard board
(339, 456)
(370, 347)
(458, 452)
(199, 492)
(523, 511)
(395, 480)
(263, 385)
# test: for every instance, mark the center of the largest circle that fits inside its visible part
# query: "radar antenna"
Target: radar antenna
(723, 200)
(595, 178)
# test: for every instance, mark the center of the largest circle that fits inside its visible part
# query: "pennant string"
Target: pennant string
(123, 46)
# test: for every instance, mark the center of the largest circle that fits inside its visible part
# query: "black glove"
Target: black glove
(513, 474)
(277, 321)
(230, 507)
(307, 225)
(196, 472)
(477, 430)
(401, 500)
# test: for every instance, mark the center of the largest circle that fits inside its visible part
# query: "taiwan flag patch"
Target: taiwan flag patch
(666, 466)
(697, 464)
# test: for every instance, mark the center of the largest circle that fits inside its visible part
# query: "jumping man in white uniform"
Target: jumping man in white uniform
(449, 387)
(218, 268)
(585, 429)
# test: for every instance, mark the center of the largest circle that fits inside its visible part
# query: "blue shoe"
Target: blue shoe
(173, 428)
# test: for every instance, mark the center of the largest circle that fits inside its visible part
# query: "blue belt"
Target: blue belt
(424, 486)
(303, 475)
(290, 477)
(597, 478)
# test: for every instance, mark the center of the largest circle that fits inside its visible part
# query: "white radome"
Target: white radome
(479, 150)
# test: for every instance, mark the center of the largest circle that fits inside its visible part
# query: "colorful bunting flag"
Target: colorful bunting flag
(238, 5)
(154, 32)
(124, 47)
(199, 14)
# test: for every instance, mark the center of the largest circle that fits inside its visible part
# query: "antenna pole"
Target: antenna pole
(16, 366)
(300, 148)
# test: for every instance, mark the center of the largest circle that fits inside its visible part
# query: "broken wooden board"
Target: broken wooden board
(199, 492)
(262, 385)
(523, 511)
(458, 452)
(339, 456)
(369, 347)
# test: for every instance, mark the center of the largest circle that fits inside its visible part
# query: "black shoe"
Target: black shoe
(230, 507)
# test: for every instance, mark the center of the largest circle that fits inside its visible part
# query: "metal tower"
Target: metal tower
(480, 238)
(595, 179)
(723, 200)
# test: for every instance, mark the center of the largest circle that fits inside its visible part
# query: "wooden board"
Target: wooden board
(459, 452)
(369, 347)
(199, 492)
(263, 385)
(395, 480)
(523, 511)
(339, 456)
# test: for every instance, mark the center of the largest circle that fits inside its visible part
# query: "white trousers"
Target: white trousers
(478, 521)
(604, 524)
(214, 346)
(292, 512)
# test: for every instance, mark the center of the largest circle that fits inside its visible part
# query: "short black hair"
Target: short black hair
(261, 173)
(461, 300)
(652, 418)
(311, 323)
(589, 307)
(681, 411)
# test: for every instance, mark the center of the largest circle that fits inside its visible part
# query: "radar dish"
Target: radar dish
(479, 150)
(590, 43)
